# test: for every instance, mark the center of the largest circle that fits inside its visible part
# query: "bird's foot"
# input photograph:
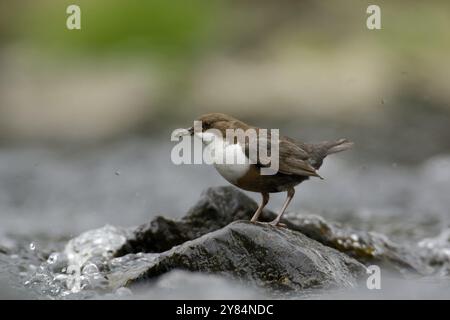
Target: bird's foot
(275, 223)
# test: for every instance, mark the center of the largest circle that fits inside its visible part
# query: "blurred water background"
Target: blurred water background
(86, 115)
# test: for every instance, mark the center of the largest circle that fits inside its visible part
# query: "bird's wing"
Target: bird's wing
(293, 160)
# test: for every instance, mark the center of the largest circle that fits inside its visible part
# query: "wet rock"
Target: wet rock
(4, 250)
(7, 245)
(216, 208)
(123, 269)
(366, 247)
(270, 257)
(221, 205)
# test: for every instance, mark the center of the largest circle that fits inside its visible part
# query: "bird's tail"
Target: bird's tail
(338, 146)
(321, 150)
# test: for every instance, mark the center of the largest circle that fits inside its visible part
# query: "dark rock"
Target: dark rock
(366, 247)
(216, 208)
(270, 257)
(220, 206)
(159, 235)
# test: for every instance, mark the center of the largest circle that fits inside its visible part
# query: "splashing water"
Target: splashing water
(436, 251)
(79, 270)
(88, 251)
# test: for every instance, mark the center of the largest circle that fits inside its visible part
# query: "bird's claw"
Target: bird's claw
(278, 224)
(274, 223)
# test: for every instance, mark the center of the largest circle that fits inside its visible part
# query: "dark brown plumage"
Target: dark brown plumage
(297, 161)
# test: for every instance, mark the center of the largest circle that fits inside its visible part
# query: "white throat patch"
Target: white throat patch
(228, 159)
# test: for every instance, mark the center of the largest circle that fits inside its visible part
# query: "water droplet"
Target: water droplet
(60, 277)
(32, 246)
(55, 291)
(52, 258)
(117, 173)
(122, 291)
(90, 268)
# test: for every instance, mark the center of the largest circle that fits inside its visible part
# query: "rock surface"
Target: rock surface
(310, 253)
(274, 258)
(221, 205)
(366, 247)
(216, 208)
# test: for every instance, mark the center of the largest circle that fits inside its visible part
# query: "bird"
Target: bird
(298, 161)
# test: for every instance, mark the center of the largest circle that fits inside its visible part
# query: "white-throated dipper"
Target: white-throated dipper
(297, 161)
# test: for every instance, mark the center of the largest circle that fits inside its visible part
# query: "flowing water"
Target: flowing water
(63, 211)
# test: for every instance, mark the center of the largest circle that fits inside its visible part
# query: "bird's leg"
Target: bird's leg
(265, 199)
(290, 195)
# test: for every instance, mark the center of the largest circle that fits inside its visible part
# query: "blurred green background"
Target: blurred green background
(311, 68)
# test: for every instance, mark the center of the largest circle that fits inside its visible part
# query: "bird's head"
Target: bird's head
(218, 121)
(212, 121)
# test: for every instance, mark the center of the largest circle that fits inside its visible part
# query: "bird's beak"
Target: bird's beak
(184, 132)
